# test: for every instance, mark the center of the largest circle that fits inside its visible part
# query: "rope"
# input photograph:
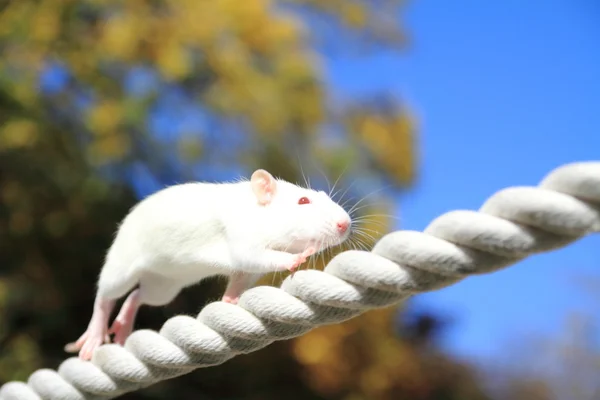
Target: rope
(511, 225)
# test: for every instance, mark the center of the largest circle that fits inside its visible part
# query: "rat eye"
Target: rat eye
(303, 200)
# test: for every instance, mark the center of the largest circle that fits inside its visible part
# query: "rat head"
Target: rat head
(299, 217)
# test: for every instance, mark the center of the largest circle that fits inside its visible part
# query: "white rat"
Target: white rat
(182, 234)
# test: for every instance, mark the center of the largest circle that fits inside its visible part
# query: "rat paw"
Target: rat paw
(90, 345)
(300, 258)
(297, 260)
(230, 299)
(309, 252)
(121, 329)
(87, 343)
(76, 346)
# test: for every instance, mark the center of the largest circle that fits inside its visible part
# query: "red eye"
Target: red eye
(303, 200)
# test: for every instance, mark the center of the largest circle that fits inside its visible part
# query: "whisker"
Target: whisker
(346, 191)
(331, 250)
(367, 222)
(320, 245)
(322, 253)
(375, 224)
(372, 193)
(343, 205)
(356, 244)
(372, 204)
(313, 261)
(368, 234)
(337, 180)
(362, 244)
(352, 243)
(367, 231)
(273, 278)
(363, 230)
(365, 237)
(368, 205)
(362, 217)
(306, 181)
(324, 176)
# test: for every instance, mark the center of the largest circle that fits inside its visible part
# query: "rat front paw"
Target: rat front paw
(299, 259)
(309, 252)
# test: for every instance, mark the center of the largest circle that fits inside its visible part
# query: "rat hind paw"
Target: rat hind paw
(74, 347)
(230, 299)
(90, 345)
(86, 344)
(121, 328)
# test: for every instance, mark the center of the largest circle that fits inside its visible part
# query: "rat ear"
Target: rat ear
(263, 185)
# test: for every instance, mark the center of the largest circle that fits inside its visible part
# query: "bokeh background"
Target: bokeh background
(417, 107)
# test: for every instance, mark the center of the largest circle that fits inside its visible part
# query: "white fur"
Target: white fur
(185, 233)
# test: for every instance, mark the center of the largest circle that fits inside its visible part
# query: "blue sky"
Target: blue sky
(504, 92)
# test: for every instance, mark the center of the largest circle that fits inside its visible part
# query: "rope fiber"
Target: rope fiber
(511, 225)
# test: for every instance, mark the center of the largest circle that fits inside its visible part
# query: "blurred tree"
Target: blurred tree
(103, 102)
(556, 366)
(551, 368)
(162, 81)
(576, 358)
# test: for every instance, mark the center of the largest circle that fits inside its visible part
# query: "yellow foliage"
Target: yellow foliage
(354, 14)
(295, 66)
(109, 148)
(26, 92)
(230, 60)
(120, 36)
(276, 37)
(14, 17)
(390, 139)
(198, 23)
(244, 15)
(45, 23)
(19, 359)
(104, 118)
(313, 348)
(173, 60)
(261, 64)
(330, 356)
(403, 128)
(190, 148)
(18, 133)
(287, 30)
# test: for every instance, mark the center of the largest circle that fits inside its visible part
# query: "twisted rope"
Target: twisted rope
(511, 225)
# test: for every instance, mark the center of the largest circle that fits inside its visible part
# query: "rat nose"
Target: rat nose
(342, 226)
